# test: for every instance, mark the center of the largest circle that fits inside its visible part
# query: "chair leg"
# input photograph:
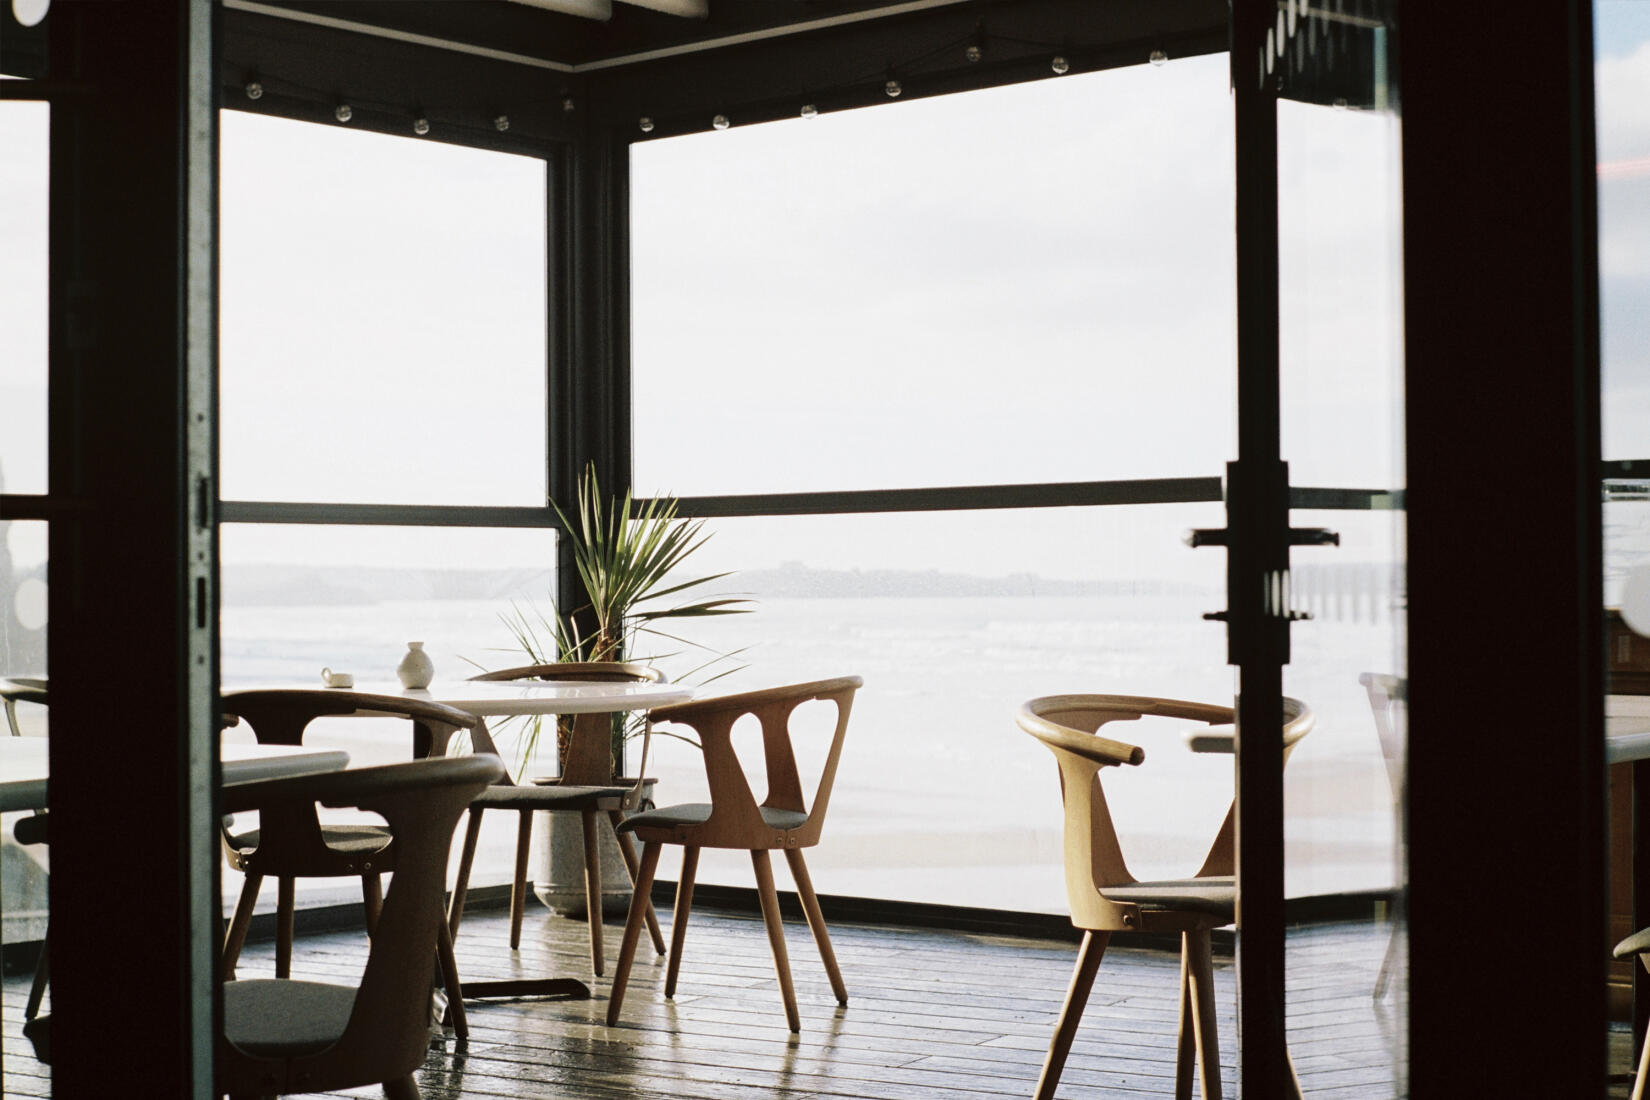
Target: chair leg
(466, 860)
(816, 922)
(1186, 1043)
(776, 934)
(404, 1088)
(1093, 949)
(1384, 977)
(449, 981)
(42, 975)
(592, 886)
(1643, 1078)
(238, 925)
(679, 918)
(615, 818)
(518, 884)
(1204, 1014)
(372, 901)
(284, 904)
(632, 929)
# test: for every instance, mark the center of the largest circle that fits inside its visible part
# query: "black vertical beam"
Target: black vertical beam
(133, 556)
(1506, 769)
(1257, 563)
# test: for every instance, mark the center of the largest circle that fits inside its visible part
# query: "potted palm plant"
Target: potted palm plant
(628, 556)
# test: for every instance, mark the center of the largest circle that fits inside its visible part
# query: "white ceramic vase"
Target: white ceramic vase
(416, 670)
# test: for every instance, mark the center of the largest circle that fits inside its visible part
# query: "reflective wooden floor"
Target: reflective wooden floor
(933, 1015)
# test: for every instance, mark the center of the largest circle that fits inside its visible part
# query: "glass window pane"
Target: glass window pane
(383, 318)
(1622, 76)
(1012, 285)
(24, 176)
(954, 619)
(299, 599)
(22, 599)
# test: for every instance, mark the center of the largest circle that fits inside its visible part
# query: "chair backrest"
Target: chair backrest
(20, 689)
(603, 672)
(1069, 725)
(1389, 703)
(279, 716)
(387, 1035)
(736, 818)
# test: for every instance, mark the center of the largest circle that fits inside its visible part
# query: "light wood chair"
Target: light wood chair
(31, 829)
(294, 843)
(1638, 946)
(1105, 898)
(586, 787)
(734, 819)
(1388, 702)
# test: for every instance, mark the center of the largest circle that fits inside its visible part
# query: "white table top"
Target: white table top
(24, 767)
(490, 698)
(1626, 728)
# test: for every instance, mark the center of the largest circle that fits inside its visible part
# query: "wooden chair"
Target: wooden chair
(586, 787)
(31, 829)
(1388, 700)
(734, 819)
(1105, 898)
(1638, 946)
(293, 843)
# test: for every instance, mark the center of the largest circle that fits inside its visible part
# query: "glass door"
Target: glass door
(1315, 540)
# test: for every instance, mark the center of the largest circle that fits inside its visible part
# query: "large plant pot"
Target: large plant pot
(558, 844)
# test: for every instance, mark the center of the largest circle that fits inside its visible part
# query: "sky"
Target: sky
(1023, 284)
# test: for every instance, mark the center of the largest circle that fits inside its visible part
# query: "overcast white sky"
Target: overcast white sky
(1030, 283)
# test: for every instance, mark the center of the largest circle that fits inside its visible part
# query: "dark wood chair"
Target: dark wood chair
(292, 842)
(784, 820)
(1105, 898)
(586, 787)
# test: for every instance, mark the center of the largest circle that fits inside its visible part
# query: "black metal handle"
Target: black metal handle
(1313, 536)
(1205, 536)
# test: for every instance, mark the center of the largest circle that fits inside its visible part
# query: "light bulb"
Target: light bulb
(567, 104)
(810, 111)
(254, 90)
(973, 53)
(1339, 104)
(29, 13)
(645, 124)
(1158, 56)
(721, 122)
(501, 123)
(893, 88)
(1060, 65)
(421, 126)
(343, 112)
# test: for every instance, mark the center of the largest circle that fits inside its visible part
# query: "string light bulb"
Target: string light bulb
(720, 122)
(810, 111)
(1060, 65)
(254, 90)
(421, 125)
(567, 104)
(645, 124)
(343, 112)
(1158, 56)
(893, 88)
(973, 53)
(501, 123)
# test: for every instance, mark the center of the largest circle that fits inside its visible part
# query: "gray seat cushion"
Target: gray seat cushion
(357, 839)
(274, 1018)
(697, 813)
(548, 797)
(1216, 895)
(1635, 944)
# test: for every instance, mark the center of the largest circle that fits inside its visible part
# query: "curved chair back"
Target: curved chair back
(735, 819)
(1069, 725)
(20, 689)
(387, 1033)
(291, 836)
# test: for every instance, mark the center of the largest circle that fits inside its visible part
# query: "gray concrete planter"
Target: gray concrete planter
(558, 879)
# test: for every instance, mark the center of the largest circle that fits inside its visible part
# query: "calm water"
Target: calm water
(939, 796)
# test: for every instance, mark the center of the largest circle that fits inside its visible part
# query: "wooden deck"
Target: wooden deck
(933, 1015)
